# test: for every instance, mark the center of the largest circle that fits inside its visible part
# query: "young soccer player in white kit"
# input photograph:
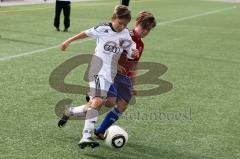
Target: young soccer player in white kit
(111, 39)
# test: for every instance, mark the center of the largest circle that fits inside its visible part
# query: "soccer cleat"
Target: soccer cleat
(85, 142)
(87, 98)
(63, 121)
(57, 29)
(65, 116)
(100, 136)
(65, 30)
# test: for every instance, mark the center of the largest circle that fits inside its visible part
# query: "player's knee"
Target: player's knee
(111, 101)
(109, 104)
(122, 107)
(97, 102)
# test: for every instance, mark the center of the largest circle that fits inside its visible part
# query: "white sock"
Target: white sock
(90, 120)
(79, 111)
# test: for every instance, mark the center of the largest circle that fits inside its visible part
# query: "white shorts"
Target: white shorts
(99, 87)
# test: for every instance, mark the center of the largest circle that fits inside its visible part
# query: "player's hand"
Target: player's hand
(121, 69)
(64, 45)
(133, 92)
(135, 53)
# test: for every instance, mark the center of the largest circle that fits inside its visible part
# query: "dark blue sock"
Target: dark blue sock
(111, 117)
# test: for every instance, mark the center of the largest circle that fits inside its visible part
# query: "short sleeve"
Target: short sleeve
(92, 32)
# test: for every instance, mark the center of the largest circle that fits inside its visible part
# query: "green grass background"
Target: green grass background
(203, 60)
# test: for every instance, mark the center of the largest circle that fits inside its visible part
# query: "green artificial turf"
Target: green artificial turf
(198, 118)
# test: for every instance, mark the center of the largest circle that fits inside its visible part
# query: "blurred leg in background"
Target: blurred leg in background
(124, 2)
(58, 9)
(66, 13)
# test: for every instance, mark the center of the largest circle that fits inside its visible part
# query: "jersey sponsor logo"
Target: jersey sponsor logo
(111, 46)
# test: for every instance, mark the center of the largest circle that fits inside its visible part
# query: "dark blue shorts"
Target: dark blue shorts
(121, 88)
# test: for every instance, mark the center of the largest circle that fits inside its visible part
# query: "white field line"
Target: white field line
(196, 15)
(158, 24)
(38, 51)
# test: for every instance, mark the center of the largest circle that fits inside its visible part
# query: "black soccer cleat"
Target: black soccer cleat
(100, 136)
(88, 142)
(63, 121)
(87, 98)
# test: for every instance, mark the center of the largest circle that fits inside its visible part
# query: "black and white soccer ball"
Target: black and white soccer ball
(116, 137)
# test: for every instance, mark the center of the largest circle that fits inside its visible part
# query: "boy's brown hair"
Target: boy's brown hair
(146, 20)
(122, 12)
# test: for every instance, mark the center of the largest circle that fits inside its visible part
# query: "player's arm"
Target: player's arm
(65, 44)
(92, 32)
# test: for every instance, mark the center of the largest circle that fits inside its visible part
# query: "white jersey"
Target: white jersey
(109, 46)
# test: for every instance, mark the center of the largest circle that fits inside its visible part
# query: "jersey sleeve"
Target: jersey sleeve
(92, 32)
(97, 30)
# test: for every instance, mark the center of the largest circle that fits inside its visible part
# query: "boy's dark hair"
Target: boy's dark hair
(122, 12)
(146, 20)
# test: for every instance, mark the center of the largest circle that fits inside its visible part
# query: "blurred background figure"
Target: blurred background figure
(64, 5)
(124, 2)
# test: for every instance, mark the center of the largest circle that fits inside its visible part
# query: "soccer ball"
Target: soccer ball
(116, 136)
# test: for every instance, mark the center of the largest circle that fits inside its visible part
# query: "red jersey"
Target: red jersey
(130, 65)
